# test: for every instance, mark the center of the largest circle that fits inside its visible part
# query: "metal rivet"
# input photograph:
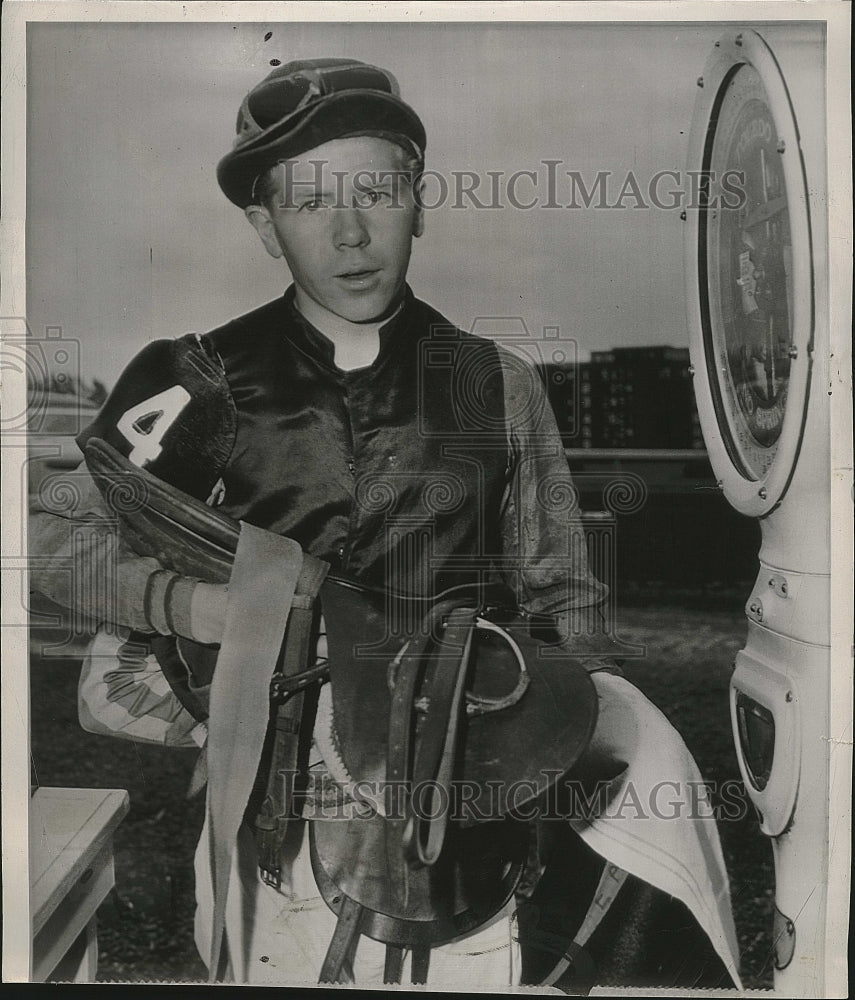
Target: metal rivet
(738, 40)
(682, 216)
(762, 493)
(781, 146)
(691, 369)
(700, 81)
(789, 696)
(793, 352)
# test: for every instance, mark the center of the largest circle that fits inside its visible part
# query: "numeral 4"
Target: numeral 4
(144, 425)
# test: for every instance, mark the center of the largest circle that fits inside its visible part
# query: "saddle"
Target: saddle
(442, 723)
(450, 735)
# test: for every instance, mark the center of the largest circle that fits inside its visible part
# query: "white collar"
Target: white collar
(356, 344)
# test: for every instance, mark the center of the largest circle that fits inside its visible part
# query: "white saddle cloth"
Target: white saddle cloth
(659, 824)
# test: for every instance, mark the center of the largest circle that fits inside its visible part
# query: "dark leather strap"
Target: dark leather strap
(419, 965)
(426, 761)
(394, 966)
(411, 840)
(282, 687)
(271, 823)
(397, 770)
(433, 766)
(337, 967)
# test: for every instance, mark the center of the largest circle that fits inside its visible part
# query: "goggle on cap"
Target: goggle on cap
(309, 102)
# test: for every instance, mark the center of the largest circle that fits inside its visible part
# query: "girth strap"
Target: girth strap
(271, 823)
(393, 968)
(575, 955)
(338, 962)
(419, 965)
(337, 967)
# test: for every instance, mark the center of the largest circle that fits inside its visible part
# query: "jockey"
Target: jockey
(354, 419)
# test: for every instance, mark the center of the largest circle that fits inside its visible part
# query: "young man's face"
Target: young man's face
(344, 218)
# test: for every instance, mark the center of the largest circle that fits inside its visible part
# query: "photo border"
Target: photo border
(15, 680)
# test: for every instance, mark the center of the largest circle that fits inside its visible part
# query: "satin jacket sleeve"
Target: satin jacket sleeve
(545, 552)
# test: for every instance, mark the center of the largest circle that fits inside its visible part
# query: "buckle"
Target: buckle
(282, 687)
(271, 876)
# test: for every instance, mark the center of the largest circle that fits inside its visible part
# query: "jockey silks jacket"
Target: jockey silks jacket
(395, 473)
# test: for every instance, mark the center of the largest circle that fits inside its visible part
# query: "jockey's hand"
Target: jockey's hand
(208, 612)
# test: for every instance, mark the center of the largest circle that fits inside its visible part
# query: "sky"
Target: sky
(129, 238)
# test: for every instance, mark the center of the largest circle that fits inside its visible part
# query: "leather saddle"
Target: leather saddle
(450, 734)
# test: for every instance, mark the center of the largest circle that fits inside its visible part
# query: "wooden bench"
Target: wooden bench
(71, 873)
